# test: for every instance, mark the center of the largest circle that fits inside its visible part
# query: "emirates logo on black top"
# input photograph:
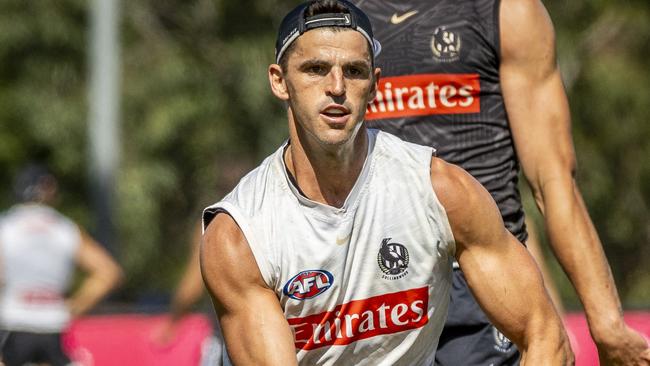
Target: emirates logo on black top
(393, 260)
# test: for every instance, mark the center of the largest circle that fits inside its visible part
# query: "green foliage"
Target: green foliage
(197, 115)
(42, 91)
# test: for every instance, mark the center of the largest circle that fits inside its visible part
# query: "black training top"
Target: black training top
(440, 87)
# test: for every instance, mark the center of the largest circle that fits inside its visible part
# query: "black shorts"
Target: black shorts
(23, 347)
(468, 337)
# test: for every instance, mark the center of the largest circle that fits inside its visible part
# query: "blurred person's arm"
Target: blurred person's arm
(253, 323)
(190, 289)
(188, 292)
(499, 270)
(538, 111)
(102, 274)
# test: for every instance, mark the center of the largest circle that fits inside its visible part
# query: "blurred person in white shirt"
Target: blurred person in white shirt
(40, 249)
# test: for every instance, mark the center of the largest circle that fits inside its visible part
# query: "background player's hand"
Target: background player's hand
(623, 347)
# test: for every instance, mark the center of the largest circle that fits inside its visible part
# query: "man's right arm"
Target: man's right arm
(254, 327)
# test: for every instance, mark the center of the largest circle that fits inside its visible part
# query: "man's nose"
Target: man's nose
(336, 82)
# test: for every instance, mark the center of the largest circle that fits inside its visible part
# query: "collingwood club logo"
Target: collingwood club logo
(501, 342)
(445, 44)
(393, 260)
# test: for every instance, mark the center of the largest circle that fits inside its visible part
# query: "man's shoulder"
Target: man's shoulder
(467, 203)
(455, 187)
(447, 176)
(526, 28)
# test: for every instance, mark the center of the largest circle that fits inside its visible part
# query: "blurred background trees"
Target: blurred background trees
(197, 113)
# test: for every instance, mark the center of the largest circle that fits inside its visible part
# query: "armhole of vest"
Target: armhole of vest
(259, 253)
(496, 15)
(445, 226)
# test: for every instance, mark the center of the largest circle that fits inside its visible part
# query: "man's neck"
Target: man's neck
(327, 175)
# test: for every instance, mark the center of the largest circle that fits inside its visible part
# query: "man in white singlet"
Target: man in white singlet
(338, 248)
(39, 250)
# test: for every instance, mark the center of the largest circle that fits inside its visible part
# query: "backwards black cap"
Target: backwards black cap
(295, 24)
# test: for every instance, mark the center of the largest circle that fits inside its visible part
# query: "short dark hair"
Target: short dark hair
(29, 181)
(325, 6)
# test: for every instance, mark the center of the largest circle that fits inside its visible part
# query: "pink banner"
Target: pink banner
(136, 340)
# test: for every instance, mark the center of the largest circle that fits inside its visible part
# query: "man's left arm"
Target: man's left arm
(499, 271)
(538, 111)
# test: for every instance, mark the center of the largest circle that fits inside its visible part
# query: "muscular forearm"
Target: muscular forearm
(578, 249)
(545, 343)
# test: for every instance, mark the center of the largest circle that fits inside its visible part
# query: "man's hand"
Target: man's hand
(623, 346)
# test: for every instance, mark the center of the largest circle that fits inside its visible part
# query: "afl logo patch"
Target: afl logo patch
(393, 260)
(445, 45)
(308, 284)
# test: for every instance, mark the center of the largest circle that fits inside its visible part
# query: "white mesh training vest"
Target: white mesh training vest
(37, 249)
(364, 284)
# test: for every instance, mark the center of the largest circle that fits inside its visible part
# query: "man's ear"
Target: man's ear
(278, 82)
(375, 85)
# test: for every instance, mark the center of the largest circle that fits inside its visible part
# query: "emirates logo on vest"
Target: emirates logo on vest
(425, 94)
(362, 319)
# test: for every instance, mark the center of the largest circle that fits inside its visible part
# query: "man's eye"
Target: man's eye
(355, 72)
(316, 69)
